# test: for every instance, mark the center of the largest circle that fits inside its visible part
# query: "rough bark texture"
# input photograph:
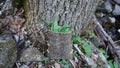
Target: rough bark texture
(76, 13)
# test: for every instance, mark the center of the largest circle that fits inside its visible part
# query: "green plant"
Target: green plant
(112, 63)
(56, 28)
(87, 48)
(115, 64)
(104, 53)
(45, 59)
(64, 63)
(76, 39)
(74, 53)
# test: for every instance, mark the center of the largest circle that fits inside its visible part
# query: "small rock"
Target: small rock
(8, 51)
(27, 43)
(112, 19)
(16, 37)
(108, 6)
(31, 54)
(116, 11)
(57, 65)
(119, 30)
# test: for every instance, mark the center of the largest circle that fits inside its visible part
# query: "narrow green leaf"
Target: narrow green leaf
(111, 64)
(88, 49)
(66, 66)
(75, 53)
(102, 50)
(115, 64)
(54, 26)
(104, 53)
(65, 28)
(45, 59)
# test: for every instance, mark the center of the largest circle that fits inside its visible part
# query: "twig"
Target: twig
(104, 33)
(72, 63)
(88, 60)
(17, 65)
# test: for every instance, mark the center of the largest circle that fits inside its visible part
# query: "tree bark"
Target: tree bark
(76, 13)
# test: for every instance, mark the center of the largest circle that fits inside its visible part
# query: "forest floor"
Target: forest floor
(98, 48)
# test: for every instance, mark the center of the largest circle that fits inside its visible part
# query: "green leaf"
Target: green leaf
(102, 50)
(115, 64)
(65, 28)
(76, 39)
(74, 53)
(111, 64)
(64, 61)
(66, 66)
(45, 59)
(104, 53)
(87, 48)
(54, 26)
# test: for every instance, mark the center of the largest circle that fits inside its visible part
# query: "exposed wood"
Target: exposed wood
(59, 45)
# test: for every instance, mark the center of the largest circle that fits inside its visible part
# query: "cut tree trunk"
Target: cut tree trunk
(59, 45)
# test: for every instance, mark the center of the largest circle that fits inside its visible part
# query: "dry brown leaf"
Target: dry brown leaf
(15, 23)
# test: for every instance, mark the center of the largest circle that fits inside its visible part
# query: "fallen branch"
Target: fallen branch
(110, 43)
(72, 63)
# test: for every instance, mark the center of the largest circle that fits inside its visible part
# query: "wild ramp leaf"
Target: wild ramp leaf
(115, 64)
(87, 48)
(111, 64)
(104, 53)
(65, 28)
(55, 26)
(76, 39)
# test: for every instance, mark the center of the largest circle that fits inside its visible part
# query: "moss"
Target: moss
(25, 7)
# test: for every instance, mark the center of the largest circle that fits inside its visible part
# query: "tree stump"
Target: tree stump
(59, 45)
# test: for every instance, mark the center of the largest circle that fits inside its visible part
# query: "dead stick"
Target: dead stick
(102, 30)
(110, 41)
